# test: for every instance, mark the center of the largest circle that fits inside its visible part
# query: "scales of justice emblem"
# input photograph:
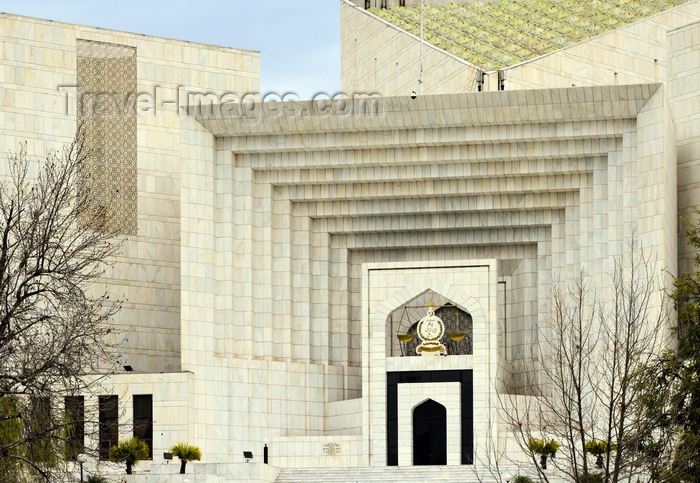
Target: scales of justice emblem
(430, 329)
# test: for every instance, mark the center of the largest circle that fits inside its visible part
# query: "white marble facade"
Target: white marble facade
(274, 242)
(472, 285)
(411, 195)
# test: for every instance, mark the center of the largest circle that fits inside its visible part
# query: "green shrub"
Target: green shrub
(597, 447)
(543, 449)
(129, 451)
(186, 453)
(536, 445)
(540, 447)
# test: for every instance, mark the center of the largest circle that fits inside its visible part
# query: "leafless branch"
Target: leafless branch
(55, 244)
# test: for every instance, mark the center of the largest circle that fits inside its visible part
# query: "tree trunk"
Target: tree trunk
(128, 468)
(183, 463)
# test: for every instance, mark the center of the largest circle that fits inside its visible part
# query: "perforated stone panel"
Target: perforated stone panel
(106, 110)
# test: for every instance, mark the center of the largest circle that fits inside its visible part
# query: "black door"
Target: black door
(430, 434)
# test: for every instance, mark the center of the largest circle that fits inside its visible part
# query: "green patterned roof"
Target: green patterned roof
(494, 35)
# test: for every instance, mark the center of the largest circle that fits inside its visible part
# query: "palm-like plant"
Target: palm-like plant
(598, 448)
(544, 449)
(129, 451)
(186, 453)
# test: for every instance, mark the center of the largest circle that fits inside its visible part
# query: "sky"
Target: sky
(299, 40)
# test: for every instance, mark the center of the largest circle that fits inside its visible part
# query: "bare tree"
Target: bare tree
(585, 394)
(55, 242)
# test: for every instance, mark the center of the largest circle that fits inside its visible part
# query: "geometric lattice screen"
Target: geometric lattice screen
(106, 109)
(459, 331)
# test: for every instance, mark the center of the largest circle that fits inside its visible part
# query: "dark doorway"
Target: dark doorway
(464, 424)
(430, 434)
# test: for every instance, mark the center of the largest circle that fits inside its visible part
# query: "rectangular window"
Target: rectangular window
(75, 426)
(109, 424)
(143, 420)
(40, 429)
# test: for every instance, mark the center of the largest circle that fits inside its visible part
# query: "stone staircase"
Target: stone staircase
(391, 474)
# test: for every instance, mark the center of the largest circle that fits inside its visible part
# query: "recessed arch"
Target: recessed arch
(458, 297)
(420, 287)
(402, 327)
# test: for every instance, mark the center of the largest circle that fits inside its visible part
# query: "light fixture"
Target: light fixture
(167, 457)
(128, 368)
(248, 455)
(480, 80)
(82, 459)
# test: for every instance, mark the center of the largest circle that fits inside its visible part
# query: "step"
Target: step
(390, 474)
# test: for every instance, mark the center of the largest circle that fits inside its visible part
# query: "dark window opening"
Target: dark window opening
(143, 420)
(402, 3)
(109, 424)
(39, 429)
(75, 426)
(368, 4)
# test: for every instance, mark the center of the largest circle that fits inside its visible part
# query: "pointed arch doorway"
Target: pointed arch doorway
(430, 434)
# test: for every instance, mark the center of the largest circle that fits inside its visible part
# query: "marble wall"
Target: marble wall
(39, 72)
(632, 54)
(684, 104)
(472, 286)
(271, 247)
(543, 181)
(377, 57)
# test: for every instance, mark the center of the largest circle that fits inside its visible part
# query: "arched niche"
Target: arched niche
(401, 324)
